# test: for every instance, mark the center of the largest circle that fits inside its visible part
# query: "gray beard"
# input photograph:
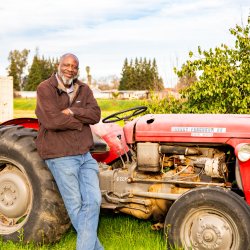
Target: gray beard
(66, 82)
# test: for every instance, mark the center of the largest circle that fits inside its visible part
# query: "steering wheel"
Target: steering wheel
(130, 113)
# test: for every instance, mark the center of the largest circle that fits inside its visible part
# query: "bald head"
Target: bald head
(69, 55)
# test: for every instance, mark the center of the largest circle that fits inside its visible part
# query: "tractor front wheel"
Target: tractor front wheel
(208, 218)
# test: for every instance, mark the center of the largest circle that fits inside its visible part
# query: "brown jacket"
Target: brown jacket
(60, 134)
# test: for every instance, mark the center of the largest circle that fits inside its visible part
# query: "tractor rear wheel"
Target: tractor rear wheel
(208, 218)
(31, 208)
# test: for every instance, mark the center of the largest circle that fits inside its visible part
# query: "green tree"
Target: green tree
(168, 104)
(223, 85)
(156, 80)
(217, 82)
(18, 61)
(124, 79)
(12, 71)
(40, 70)
(140, 75)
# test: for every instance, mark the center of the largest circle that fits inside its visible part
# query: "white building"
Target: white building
(6, 98)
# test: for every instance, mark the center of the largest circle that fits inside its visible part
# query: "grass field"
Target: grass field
(116, 231)
(25, 107)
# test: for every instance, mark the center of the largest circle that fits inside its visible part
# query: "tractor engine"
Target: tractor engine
(157, 175)
(181, 161)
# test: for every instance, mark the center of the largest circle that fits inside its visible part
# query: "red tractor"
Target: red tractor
(189, 172)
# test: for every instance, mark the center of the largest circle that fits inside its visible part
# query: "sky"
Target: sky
(102, 33)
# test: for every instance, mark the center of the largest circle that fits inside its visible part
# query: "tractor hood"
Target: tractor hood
(198, 127)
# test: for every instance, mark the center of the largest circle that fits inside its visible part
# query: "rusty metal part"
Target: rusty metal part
(136, 210)
(127, 200)
(191, 183)
(157, 226)
(156, 195)
(165, 149)
(148, 158)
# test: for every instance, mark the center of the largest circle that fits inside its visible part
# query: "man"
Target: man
(65, 109)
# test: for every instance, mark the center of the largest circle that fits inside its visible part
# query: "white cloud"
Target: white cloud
(103, 33)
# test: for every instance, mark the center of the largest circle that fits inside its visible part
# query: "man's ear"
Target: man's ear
(77, 75)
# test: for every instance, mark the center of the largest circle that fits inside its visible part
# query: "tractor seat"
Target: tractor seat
(100, 146)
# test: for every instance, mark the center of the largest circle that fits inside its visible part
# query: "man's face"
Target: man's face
(68, 69)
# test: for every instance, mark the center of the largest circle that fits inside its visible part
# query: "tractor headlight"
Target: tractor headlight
(243, 152)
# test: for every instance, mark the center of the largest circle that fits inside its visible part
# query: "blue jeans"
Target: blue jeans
(78, 183)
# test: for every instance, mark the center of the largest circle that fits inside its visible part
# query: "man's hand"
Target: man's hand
(67, 112)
